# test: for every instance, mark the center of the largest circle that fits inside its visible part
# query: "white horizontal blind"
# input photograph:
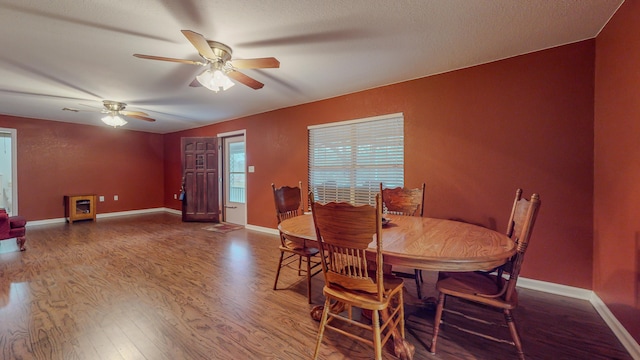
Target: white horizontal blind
(349, 160)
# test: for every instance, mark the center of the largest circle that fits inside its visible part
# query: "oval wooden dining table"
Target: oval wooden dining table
(426, 244)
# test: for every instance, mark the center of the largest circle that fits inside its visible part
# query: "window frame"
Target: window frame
(348, 160)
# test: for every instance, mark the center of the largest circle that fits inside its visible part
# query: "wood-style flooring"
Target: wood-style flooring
(152, 287)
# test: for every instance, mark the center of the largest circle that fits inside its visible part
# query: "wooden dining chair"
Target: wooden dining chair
(344, 232)
(288, 202)
(495, 290)
(408, 202)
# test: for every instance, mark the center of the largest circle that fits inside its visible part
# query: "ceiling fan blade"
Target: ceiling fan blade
(95, 108)
(195, 83)
(184, 61)
(260, 63)
(200, 43)
(139, 117)
(244, 79)
(131, 113)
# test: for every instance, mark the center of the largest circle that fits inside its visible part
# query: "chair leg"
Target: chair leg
(377, 340)
(401, 314)
(418, 276)
(275, 284)
(308, 278)
(299, 265)
(323, 322)
(436, 322)
(20, 241)
(514, 333)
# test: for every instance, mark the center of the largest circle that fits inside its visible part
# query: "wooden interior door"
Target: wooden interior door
(200, 179)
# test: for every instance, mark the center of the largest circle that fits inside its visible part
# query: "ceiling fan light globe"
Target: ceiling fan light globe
(205, 79)
(114, 121)
(214, 80)
(227, 83)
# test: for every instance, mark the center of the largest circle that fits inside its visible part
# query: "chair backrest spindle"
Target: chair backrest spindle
(288, 201)
(344, 232)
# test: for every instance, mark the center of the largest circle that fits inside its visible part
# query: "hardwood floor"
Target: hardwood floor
(152, 287)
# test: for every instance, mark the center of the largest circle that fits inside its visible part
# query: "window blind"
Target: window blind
(348, 160)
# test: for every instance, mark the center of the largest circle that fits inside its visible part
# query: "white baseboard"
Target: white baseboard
(262, 229)
(618, 329)
(132, 212)
(173, 211)
(557, 289)
(44, 222)
(621, 333)
(105, 215)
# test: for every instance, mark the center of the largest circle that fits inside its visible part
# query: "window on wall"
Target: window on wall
(237, 177)
(348, 160)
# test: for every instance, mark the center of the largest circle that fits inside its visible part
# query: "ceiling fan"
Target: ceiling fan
(217, 59)
(115, 113)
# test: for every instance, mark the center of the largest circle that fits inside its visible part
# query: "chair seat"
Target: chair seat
(469, 286)
(303, 251)
(364, 300)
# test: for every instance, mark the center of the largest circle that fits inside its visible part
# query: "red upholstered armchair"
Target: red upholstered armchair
(13, 227)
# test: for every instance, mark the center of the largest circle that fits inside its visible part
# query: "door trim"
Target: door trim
(222, 199)
(233, 133)
(14, 168)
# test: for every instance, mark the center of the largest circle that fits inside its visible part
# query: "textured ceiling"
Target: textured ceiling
(72, 53)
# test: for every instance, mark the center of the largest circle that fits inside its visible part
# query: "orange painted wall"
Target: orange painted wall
(57, 159)
(474, 136)
(617, 167)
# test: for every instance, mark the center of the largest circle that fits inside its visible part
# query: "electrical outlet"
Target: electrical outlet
(175, 196)
(101, 198)
(115, 197)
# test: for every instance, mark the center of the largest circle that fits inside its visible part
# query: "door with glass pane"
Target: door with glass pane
(235, 180)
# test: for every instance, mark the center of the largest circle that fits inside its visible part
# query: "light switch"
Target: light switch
(115, 197)
(252, 168)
